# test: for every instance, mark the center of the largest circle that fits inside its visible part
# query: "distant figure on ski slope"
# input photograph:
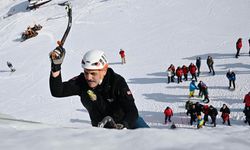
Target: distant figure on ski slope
(238, 47)
(210, 64)
(249, 46)
(192, 69)
(179, 74)
(9, 64)
(205, 110)
(203, 91)
(168, 114)
(185, 72)
(188, 105)
(103, 92)
(213, 113)
(225, 114)
(192, 88)
(231, 77)
(247, 114)
(200, 89)
(172, 67)
(122, 54)
(170, 74)
(198, 65)
(247, 107)
(193, 114)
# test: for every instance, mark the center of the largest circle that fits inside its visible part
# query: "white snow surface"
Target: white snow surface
(154, 34)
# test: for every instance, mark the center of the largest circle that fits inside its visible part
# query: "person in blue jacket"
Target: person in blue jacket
(231, 77)
(192, 88)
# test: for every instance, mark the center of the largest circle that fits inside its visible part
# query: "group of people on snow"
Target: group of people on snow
(203, 90)
(192, 69)
(31, 31)
(196, 110)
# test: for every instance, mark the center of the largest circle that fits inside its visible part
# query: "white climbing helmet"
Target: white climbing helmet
(94, 59)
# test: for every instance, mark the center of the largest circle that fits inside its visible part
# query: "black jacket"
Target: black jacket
(212, 112)
(113, 97)
(225, 110)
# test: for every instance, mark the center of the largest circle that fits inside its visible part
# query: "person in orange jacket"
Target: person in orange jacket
(179, 74)
(168, 114)
(238, 47)
(192, 69)
(185, 72)
(122, 54)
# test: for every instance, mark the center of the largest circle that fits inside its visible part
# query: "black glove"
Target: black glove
(56, 57)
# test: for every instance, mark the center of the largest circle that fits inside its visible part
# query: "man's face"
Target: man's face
(94, 77)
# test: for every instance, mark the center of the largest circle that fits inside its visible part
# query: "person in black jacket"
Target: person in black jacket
(198, 65)
(210, 64)
(103, 93)
(213, 113)
(193, 114)
(225, 114)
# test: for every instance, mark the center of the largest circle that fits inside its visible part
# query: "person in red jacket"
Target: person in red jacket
(247, 104)
(168, 114)
(192, 69)
(238, 47)
(247, 100)
(205, 110)
(179, 74)
(185, 72)
(122, 54)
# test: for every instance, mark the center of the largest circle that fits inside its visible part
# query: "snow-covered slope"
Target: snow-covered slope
(154, 34)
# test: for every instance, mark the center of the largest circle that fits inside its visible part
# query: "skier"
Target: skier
(172, 67)
(122, 54)
(213, 113)
(231, 77)
(103, 92)
(168, 114)
(9, 64)
(247, 107)
(192, 88)
(210, 64)
(192, 69)
(185, 72)
(225, 114)
(198, 65)
(179, 74)
(238, 47)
